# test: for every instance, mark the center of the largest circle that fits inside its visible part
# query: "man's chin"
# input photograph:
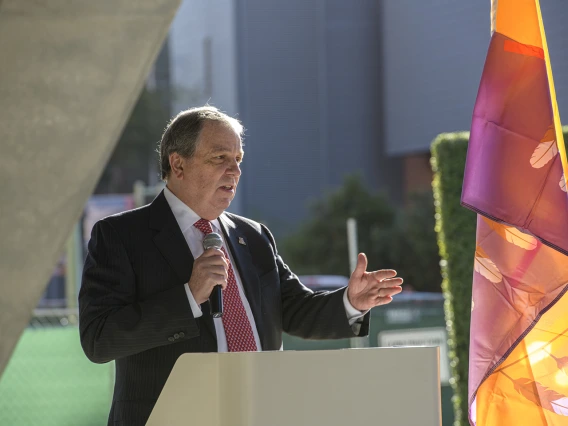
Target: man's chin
(223, 204)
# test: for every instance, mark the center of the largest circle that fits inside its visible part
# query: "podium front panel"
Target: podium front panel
(372, 386)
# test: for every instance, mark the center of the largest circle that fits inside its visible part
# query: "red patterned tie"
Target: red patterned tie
(235, 321)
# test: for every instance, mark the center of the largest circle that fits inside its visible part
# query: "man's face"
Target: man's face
(211, 176)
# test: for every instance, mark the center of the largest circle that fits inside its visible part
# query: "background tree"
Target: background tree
(134, 156)
(403, 239)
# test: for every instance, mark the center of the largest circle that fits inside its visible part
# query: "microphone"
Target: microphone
(214, 240)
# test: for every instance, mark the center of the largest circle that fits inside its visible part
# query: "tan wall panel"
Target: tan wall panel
(70, 73)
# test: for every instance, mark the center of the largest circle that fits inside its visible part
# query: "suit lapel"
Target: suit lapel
(243, 259)
(169, 239)
(171, 243)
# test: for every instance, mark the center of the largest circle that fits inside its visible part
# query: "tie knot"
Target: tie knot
(204, 226)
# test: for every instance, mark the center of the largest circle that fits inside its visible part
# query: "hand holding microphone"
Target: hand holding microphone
(214, 241)
(209, 274)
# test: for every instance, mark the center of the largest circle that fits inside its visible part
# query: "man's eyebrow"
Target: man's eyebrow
(220, 148)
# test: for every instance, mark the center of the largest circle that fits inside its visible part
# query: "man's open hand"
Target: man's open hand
(369, 289)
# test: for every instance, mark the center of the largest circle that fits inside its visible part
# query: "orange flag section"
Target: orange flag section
(531, 386)
(512, 235)
(516, 282)
(555, 112)
(523, 49)
(519, 20)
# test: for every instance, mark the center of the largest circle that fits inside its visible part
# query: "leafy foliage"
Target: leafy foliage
(414, 254)
(134, 155)
(455, 227)
(403, 240)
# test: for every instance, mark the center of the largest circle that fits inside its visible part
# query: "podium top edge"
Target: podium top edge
(322, 351)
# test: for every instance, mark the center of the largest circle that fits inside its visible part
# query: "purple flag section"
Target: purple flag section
(512, 154)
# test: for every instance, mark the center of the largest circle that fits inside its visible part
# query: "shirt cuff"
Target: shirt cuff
(195, 308)
(353, 315)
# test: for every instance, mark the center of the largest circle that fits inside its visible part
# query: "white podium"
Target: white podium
(373, 386)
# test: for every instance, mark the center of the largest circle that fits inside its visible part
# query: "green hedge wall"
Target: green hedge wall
(455, 227)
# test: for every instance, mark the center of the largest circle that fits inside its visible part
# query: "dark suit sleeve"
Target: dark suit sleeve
(319, 315)
(113, 322)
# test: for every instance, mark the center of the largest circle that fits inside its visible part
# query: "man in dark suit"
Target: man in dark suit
(146, 281)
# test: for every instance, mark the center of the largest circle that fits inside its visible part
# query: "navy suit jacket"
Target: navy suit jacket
(133, 307)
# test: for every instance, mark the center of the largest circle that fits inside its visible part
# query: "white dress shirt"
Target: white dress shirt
(185, 218)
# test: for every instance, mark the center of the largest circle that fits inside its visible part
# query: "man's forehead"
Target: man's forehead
(219, 138)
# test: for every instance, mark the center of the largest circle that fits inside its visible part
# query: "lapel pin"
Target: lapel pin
(242, 241)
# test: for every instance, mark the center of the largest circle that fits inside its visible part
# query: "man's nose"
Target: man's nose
(234, 169)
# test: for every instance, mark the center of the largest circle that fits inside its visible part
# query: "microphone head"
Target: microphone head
(212, 240)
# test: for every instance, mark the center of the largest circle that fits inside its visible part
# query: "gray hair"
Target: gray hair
(182, 133)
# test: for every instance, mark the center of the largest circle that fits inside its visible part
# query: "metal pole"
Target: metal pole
(139, 193)
(71, 270)
(352, 245)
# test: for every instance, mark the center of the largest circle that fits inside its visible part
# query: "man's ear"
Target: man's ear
(176, 163)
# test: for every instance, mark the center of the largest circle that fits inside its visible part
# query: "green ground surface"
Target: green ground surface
(49, 381)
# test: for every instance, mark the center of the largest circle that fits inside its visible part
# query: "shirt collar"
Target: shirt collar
(184, 215)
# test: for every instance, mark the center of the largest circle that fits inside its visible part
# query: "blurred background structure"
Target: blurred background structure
(70, 74)
(340, 101)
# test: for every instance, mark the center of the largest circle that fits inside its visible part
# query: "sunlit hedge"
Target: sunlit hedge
(455, 227)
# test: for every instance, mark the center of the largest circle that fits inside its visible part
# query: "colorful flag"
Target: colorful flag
(514, 179)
